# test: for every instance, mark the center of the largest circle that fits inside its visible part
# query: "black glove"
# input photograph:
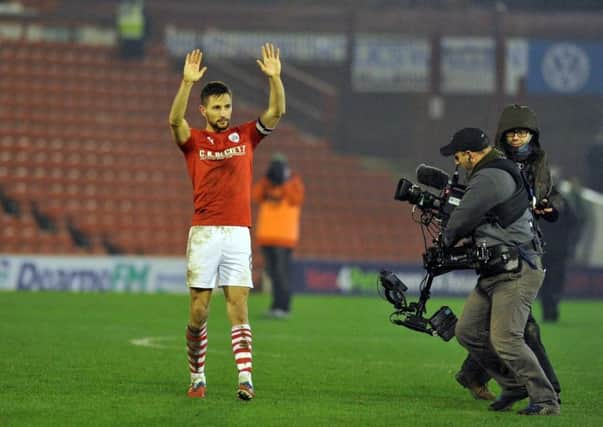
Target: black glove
(543, 204)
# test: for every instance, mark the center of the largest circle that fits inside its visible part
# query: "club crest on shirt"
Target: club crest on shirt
(234, 137)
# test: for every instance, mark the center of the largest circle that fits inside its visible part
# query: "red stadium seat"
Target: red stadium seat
(71, 138)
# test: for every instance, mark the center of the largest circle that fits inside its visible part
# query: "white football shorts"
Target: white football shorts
(218, 256)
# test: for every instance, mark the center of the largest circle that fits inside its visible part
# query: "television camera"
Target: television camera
(434, 211)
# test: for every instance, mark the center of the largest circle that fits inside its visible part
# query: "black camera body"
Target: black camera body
(440, 206)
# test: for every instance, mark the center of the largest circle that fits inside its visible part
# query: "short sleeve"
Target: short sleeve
(189, 145)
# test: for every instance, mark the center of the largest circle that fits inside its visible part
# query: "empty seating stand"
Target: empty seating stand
(86, 138)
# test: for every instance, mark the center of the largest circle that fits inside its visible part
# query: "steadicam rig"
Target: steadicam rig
(437, 259)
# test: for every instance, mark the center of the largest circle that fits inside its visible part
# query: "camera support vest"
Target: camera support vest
(509, 211)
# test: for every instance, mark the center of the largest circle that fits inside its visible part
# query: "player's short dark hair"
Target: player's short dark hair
(214, 88)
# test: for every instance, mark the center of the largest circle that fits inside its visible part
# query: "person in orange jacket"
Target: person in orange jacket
(280, 194)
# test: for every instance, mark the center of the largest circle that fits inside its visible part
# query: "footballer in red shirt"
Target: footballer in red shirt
(219, 160)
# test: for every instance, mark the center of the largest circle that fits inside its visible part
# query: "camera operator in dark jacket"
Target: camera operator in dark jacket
(518, 137)
(495, 213)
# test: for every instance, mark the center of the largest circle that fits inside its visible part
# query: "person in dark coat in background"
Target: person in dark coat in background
(562, 238)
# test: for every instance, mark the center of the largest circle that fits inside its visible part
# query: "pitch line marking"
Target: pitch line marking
(159, 343)
(151, 342)
(156, 343)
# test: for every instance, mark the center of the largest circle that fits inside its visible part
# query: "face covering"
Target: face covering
(519, 154)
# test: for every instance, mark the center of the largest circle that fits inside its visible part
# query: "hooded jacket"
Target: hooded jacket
(536, 167)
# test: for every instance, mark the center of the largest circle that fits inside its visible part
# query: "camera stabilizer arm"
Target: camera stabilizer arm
(437, 260)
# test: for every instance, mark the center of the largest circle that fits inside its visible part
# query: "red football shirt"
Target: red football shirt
(220, 165)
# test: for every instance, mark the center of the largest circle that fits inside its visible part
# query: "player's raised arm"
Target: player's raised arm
(192, 73)
(270, 64)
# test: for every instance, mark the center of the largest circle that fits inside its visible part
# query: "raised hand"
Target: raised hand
(270, 64)
(192, 66)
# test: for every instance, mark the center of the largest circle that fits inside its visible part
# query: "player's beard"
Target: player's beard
(220, 125)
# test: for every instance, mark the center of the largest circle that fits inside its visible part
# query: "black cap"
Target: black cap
(466, 139)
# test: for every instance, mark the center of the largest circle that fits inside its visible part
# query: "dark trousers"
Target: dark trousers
(474, 373)
(552, 288)
(131, 48)
(277, 260)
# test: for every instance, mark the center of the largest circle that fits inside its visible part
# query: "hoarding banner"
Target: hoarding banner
(468, 65)
(100, 274)
(361, 278)
(391, 64)
(237, 45)
(156, 274)
(355, 278)
(565, 67)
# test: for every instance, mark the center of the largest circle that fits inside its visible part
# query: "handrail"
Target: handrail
(309, 80)
(320, 113)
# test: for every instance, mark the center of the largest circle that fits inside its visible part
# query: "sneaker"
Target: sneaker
(196, 389)
(535, 409)
(505, 402)
(277, 313)
(478, 391)
(245, 391)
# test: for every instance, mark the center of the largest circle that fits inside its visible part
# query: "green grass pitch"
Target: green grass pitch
(69, 359)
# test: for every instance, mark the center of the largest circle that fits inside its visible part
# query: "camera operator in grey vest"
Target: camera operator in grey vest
(495, 214)
(518, 136)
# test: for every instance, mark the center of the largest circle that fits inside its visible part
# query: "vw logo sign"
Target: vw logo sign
(565, 67)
